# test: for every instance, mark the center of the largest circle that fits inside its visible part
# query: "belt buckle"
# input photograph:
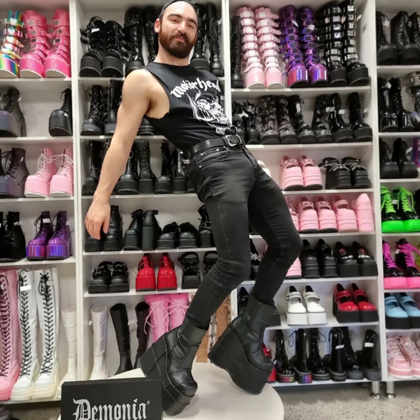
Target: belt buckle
(230, 140)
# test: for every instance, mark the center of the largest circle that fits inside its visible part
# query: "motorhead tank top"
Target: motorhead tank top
(195, 113)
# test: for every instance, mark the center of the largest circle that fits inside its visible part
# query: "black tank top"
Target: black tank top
(195, 113)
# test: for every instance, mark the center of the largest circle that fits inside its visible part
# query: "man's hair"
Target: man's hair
(162, 12)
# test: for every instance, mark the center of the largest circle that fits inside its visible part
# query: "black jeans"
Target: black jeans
(237, 193)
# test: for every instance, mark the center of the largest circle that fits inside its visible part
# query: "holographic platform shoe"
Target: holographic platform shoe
(37, 247)
(59, 246)
(11, 46)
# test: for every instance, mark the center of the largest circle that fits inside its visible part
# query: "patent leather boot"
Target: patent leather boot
(408, 51)
(180, 176)
(350, 362)
(316, 365)
(12, 244)
(361, 130)
(133, 30)
(334, 360)
(150, 14)
(114, 236)
(322, 133)
(216, 66)
(199, 61)
(405, 118)
(60, 122)
(93, 124)
(235, 53)
(388, 121)
(304, 132)
(95, 163)
(387, 53)
(112, 65)
(284, 371)
(340, 130)
(299, 361)
(120, 320)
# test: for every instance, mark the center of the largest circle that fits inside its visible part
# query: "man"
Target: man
(184, 105)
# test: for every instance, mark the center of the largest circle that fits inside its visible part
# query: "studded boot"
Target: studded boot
(114, 99)
(405, 118)
(95, 165)
(93, 124)
(216, 66)
(114, 236)
(387, 53)
(93, 40)
(37, 247)
(12, 121)
(60, 123)
(198, 60)
(236, 52)
(388, 121)
(146, 176)
(112, 65)
(269, 130)
(304, 132)
(322, 133)
(128, 184)
(164, 184)
(12, 183)
(316, 365)
(340, 130)
(133, 30)
(408, 51)
(361, 131)
(150, 14)
(286, 132)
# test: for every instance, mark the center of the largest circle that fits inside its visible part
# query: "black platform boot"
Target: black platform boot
(198, 60)
(408, 52)
(13, 244)
(132, 236)
(113, 99)
(405, 118)
(299, 361)
(191, 271)
(326, 261)
(315, 363)
(267, 112)
(112, 65)
(164, 184)
(150, 14)
(338, 175)
(114, 236)
(236, 52)
(93, 38)
(252, 135)
(350, 362)
(95, 164)
(128, 184)
(239, 349)
(304, 132)
(361, 130)
(133, 30)
(146, 129)
(210, 258)
(146, 176)
(414, 81)
(150, 231)
(368, 357)
(284, 371)
(61, 121)
(180, 176)
(322, 133)
(340, 130)
(238, 119)
(93, 124)
(205, 231)
(401, 155)
(255, 261)
(120, 320)
(387, 53)
(101, 278)
(388, 121)
(2, 229)
(286, 132)
(334, 360)
(216, 66)
(142, 312)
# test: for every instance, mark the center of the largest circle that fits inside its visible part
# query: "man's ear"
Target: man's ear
(157, 26)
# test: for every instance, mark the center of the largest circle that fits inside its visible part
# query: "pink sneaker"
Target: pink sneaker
(295, 270)
(346, 217)
(178, 305)
(158, 315)
(308, 217)
(411, 353)
(291, 175)
(326, 216)
(398, 366)
(312, 178)
(393, 276)
(62, 182)
(364, 213)
(39, 184)
(293, 213)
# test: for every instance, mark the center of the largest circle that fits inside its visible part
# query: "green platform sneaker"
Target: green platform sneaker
(405, 209)
(391, 221)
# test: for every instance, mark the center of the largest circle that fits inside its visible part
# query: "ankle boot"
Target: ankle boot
(405, 118)
(133, 31)
(62, 182)
(191, 272)
(150, 14)
(205, 231)
(151, 230)
(12, 245)
(95, 162)
(387, 53)
(368, 357)
(112, 65)
(180, 176)
(284, 371)
(164, 184)
(142, 312)
(37, 247)
(350, 362)
(269, 130)
(408, 52)
(132, 236)
(243, 338)
(252, 135)
(361, 131)
(315, 363)
(304, 133)
(286, 132)
(235, 53)
(210, 258)
(114, 236)
(114, 99)
(12, 183)
(323, 135)
(238, 119)
(216, 66)
(299, 361)
(128, 184)
(391, 221)
(12, 121)
(60, 123)
(11, 45)
(340, 130)
(414, 82)
(388, 121)
(198, 60)
(334, 360)
(93, 38)
(146, 177)
(59, 247)
(401, 155)
(120, 320)
(93, 124)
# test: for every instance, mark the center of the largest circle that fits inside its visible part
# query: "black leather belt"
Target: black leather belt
(228, 141)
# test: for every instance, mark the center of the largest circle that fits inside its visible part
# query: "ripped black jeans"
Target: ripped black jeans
(237, 193)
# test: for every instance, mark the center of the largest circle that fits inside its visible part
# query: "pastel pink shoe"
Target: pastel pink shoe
(178, 305)
(346, 217)
(291, 175)
(295, 270)
(411, 353)
(38, 185)
(364, 213)
(398, 365)
(254, 76)
(158, 317)
(293, 214)
(393, 276)
(308, 217)
(326, 216)
(62, 182)
(312, 179)
(273, 76)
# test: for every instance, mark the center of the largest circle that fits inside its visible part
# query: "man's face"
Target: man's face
(178, 30)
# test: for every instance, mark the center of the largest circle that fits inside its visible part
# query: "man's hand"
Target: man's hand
(98, 217)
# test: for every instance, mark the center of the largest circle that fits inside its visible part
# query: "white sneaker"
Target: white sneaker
(296, 312)
(264, 168)
(316, 313)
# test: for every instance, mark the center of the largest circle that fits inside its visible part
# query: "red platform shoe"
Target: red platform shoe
(145, 279)
(272, 377)
(344, 309)
(166, 276)
(368, 311)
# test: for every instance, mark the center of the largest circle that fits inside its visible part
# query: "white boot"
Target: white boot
(22, 390)
(70, 327)
(99, 314)
(46, 284)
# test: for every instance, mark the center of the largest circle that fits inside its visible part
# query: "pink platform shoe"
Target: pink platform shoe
(308, 217)
(398, 365)
(364, 213)
(295, 270)
(411, 353)
(293, 213)
(393, 276)
(158, 317)
(178, 305)
(312, 179)
(346, 217)
(62, 182)
(38, 185)
(326, 216)
(291, 175)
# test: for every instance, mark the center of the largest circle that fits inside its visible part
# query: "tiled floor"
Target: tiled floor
(342, 402)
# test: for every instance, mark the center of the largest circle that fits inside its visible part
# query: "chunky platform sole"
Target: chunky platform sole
(372, 375)
(339, 181)
(288, 379)
(93, 245)
(360, 181)
(90, 67)
(354, 374)
(59, 126)
(113, 244)
(200, 63)
(133, 65)
(22, 394)
(387, 55)
(325, 138)
(393, 323)
(363, 134)
(409, 55)
(132, 243)
(206, 241)
(187, 243)
(119, 288)
(46, 391)
(302, 377)
(317, 318)
(337, 376)
(307, 138)
(127, 187)
(58, 252)
(36, 252)
(229, 355)
(289, 139)
(146, 186)
(348, 270)
(294, 187)
(191, 282)
(369, 316)
(409, 170)
(112, 67)
(414, 321)
(297, 318)
(103, 288)
(310, 271)
(337, 77)
(412, 225)
(180, 186)
(89, 189)
(9, 127)
(344, 135)
(166, 244)
(270, 139)
(390, 170)
(148, 239)
(164, 187)
(393, 226)
(329, 270)
(400, 373)
(368, 269)
(345, 316)
(358, 77)
(321, 377)
(391, 283)
(89, 129)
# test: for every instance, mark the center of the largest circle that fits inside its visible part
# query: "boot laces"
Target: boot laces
(153, 311)
(407, 249)
(38, 231)
(95, 107)
(408, 345)
(387, 202)
(389, 261)
(280, 349)
(393, 347)
(406, 199)
(397, 103)
(67, 100)
(60, 226)
(5, 330)
(24, 323)
(315, 348)
(66, 164)
(43, 162)
(13, 166)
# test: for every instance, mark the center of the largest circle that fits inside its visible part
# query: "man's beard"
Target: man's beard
(174, 46)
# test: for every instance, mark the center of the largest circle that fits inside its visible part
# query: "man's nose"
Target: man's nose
(182, 28)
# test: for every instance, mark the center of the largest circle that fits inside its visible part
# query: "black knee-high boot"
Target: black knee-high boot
(239, 349)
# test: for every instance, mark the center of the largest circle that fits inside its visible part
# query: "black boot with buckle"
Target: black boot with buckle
(133, 30)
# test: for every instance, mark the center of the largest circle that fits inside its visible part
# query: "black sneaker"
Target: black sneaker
(309, 262)
(367, 265)
(338, 175)
(358, 173)
(347, 264)
(326, 261)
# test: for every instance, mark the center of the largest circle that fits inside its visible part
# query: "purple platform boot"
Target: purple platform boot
(297, 74)
(37, 247)
(318, 75)
(59, 246)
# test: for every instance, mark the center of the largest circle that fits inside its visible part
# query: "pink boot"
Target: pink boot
(291, 175)
(293, 214)
(364, 213)
(393, 276)
(326, 216)
(346, 217)
(39, 184)
(62, 182)
(10, 333)
(411, 353)
(398, 365)
(312, 179)
(308, 217)
(295, 270)
(158, 314)
(178, 305)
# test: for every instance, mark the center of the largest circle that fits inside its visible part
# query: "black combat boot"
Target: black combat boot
(133, 30)
(61, 121)
(405, 118)
(12, 121)
(286, 132)
(128, 184)
(388, 121)
(95, 164)
(299, 361)
(13, 244)
(361, 130)
(191, 270)
(322, 133)
(120, 320)
(235, 53)
(112, 65)
(146, 176)
(267, 112)
(350, 362)
(414, 81)
(198, 60)
(146, 129)
(210, 258)
(340, 130)
(94, 124)
(252, 135)
(304, 132)
(180, 176)
(408, 51)
(143, 328)
(150, 14)
(315, 363)
(205, 231)
(164, 184)
(216, 66)
(387, 53)
(368, 357)
(401, 155)
(238, 119)
(414, 29)
(12, 182)
(334, 360)
(132, 236)
(113, 103)
(150, 231)
(114, 236)
(93, 38)
(284, 371)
